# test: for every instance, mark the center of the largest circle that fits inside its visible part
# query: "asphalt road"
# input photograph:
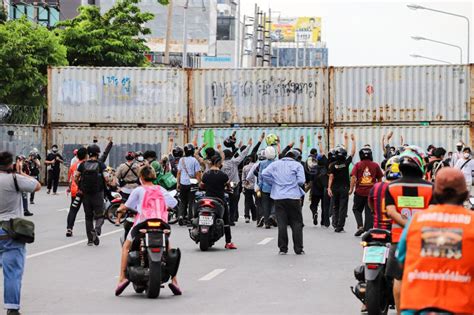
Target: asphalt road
(64, 276)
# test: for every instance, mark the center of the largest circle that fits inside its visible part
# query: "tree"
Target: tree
(26, 51)
(110, 39)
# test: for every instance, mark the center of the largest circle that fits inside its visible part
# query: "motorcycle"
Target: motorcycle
(151, 263)
(374, 290)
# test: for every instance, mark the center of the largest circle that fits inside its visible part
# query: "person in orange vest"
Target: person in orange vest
(403, 198)
(436, 250)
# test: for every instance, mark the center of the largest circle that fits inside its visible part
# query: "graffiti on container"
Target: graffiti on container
(279, 90)
(77, 92)
(113, 81)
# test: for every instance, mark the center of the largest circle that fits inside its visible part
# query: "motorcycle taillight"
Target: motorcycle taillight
(207, 203)
(372, 266)
(156, 250)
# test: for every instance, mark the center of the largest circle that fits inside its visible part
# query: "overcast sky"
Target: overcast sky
(378, 32)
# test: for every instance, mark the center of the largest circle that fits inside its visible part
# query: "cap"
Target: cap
(451, 178)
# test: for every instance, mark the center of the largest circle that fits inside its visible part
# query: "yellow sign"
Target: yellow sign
(300, 29)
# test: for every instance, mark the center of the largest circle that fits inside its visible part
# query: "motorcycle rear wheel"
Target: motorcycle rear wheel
(111, 213)
(154, 281)
(376, 297)
(173, 216)
(204, 242)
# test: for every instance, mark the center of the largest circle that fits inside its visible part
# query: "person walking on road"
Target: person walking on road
(265, 187)
(34, 165)
(90, 178)
(189, 174)
(317, 168)
(12, 252)
(127, 175)
(53, 162)
(286, 177)
(249, 191)
(466, 165)
(76, 194)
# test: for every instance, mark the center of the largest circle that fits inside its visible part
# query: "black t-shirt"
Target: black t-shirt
(34, 169)
(215, 183)
(435, 165)
(52, 157)
(321, 178)
(340, 170)
(102, 168)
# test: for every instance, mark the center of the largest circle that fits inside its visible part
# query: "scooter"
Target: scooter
(373, 288)
(151, 263)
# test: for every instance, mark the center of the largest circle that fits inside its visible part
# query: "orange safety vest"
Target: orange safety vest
(439, 264)
(408, 205)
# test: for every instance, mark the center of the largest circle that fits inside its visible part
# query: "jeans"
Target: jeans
(361, 204)
(226, 219)
(234, 205)
(73, 210)
(53, 180)
(289, 212)
(250, 207)
(187, 202)
(259, 206)
(339, 203)
(12, 259)
(94, 210)
(24, 200)
(268, 207)
(325, 203)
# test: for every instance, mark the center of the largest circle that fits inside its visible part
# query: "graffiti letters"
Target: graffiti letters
(111, 80)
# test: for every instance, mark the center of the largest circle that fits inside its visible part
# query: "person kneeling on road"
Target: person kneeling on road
(286, 177)
(147, 175)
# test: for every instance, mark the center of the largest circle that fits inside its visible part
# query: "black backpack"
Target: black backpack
(91, 177)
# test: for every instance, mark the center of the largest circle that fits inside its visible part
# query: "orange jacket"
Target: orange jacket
(439, 263)
(70, 178)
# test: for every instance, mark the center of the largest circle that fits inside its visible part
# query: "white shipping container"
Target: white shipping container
(422, 136)
(400, 93)
(258, 96)
(124, 139)
(117, 95)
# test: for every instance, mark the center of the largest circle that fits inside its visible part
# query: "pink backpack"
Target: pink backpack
(154, 205)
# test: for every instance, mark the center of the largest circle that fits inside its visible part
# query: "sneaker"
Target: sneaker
(48, 191)
(267, 226)
(69, 233)
(90, 243)
(315, 219)
(339, 230)
(32, 202)
(96, 240)
(247, 220)
(260, 222)
(282, 253)
(359, 232)
(300, 253)
(55, 193)
(230, 246)
(27, 213)
(181, 221)
(13, 312)
(273, 222)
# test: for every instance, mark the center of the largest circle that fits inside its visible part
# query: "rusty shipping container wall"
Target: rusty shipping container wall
(117, 95)
(440, 136)
(124, 139)
(286, 134)
(258, 96)
(400, 93)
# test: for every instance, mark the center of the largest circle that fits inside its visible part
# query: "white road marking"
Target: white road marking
(65, 209)
(52, 250)
(265, 241)
(211, 275)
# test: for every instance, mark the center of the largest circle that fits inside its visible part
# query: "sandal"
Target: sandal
(121, 287)
(175, 289)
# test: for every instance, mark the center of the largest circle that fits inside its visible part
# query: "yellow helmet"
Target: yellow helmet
(271, 139)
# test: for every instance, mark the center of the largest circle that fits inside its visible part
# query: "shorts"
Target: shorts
(393, 268)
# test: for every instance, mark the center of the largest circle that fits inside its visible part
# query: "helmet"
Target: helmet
(93, 150)
(392, 168)
(412, 162)
(130, 156)
(261, 155)
(150, 155)
(178, 152)
(270, 153)
(138, 153)
(331, 155)
(271, 139)
(365, 154)
(340, 154)
(189, 149)
(293, 154)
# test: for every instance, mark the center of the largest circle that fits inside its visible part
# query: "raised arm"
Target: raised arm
(301, 143)
(353, 149)
(105, 155)
(243, 154)
(346, 141)
(320, 144)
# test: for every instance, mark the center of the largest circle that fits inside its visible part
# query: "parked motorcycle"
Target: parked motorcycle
(374, 289)
(151, 263)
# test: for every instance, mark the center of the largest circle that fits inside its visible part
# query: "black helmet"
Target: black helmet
(189, 149)
(93, 150)
(365, 154)
(331, 155)
(340, 154)
(150, 155)
(178, 152)
(294, 154)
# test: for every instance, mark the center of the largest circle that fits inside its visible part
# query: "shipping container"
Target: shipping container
(440, 136)
(400, 93)
(258, 96)
(124, 139)
(287, 135)
(117, 96)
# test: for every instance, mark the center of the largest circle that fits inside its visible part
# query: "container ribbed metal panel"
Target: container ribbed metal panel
(258, 96)
(400, 93)
(118, 95)
(125, 139)
(287, 135)
(422, 136)
(24, 139)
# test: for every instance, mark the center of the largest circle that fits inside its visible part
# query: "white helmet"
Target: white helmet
(270, 153)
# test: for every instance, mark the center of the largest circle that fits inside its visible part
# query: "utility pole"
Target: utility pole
(169, 24)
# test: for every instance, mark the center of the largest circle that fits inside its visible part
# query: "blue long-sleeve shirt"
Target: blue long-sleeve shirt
(286, 176)
(264, 185)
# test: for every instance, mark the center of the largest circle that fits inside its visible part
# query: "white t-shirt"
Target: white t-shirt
(10, 200)
(466, 170)
(135, 200)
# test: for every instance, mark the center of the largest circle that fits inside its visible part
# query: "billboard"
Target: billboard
(296, 29)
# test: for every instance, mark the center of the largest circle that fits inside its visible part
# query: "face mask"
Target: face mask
(140, 159)
(54, 150)
(467, 155)
(459, 149)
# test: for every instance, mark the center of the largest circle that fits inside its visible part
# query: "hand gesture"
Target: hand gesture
(110, 139)
(291, 144)
(262, 136)
(219, 146)
(389, 136)
(352, 137)
(346, 136)
(302, 139)
(250, 142)
(234, 134)
(319, 136)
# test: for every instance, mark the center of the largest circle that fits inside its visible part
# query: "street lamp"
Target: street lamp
(429, 58)
(419, 7)
(438, 42)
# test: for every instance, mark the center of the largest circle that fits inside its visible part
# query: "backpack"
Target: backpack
(153, 205)
(91, 178)
(436, 167)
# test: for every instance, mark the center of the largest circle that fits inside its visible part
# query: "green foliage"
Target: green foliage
(111, 39)
(26, 51)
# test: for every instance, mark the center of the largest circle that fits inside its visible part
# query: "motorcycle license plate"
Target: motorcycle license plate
(205, 220)
(375, 254)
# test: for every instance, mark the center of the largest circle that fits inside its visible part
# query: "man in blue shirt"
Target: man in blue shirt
(189, 174)
(266, 188)
(286, 177)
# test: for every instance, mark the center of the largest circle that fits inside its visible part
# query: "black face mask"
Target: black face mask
(340, 158)
(459, 149)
